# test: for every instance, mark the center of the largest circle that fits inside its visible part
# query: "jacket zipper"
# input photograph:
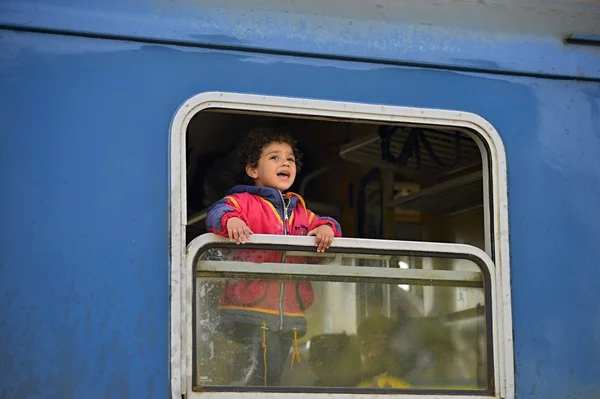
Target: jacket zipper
(281, 287)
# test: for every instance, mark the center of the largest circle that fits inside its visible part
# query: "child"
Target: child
(266, 316)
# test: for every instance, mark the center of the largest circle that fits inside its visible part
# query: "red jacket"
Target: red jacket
(264, 210)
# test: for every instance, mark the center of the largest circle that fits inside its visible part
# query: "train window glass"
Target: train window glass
(408, 176)
(367, 316)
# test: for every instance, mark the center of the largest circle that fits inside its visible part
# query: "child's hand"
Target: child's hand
(324, 236)
(238, 230)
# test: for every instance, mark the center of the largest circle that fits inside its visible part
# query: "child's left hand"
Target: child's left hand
(324, 236)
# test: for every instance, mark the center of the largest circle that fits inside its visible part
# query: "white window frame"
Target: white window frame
(492, 150)
(352, 246)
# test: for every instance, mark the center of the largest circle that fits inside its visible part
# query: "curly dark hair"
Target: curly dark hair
(257, 139)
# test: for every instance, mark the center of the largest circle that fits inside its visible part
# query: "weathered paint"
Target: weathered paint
(507, 36)
(84, 187)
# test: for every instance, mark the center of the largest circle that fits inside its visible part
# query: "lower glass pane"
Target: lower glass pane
(290, 332)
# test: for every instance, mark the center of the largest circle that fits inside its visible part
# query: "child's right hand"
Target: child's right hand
(238, 230)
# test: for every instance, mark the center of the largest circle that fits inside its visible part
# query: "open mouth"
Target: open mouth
(284, 175)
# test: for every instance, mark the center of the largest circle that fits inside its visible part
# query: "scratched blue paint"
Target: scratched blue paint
(84, 179)
(442, 33)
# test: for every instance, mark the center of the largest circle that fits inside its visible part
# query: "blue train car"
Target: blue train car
(456, 142)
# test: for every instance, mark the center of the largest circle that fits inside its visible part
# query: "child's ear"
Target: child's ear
(251, 172)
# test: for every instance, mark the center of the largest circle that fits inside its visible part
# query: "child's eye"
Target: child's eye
(275, 157)
(291, 160)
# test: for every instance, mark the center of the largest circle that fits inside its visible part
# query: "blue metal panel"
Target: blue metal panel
(83, 171)
(83, 166)
(508, 36)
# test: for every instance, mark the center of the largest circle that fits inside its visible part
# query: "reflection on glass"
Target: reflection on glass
(398, 334)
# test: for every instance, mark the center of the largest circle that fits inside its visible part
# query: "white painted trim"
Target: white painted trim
(429, 277)
(261, 395)
(180, 286)
(487, 209)
(358, 244)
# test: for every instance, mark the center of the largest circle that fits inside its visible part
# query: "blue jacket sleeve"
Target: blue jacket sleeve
(221, 211)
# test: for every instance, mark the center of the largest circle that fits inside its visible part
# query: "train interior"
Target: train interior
(400, 182)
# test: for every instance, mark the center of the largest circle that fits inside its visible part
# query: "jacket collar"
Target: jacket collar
(272, 195)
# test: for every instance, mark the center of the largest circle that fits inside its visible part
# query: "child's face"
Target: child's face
(276, 167)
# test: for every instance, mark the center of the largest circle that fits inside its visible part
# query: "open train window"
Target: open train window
(417, 313)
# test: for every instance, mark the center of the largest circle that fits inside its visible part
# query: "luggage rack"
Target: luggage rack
(449, 184)
(458, 194)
